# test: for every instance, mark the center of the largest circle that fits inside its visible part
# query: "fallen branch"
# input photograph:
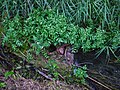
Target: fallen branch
(43, 74)
(99, 83)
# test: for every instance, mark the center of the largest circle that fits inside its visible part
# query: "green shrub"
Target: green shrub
(80, 74)
(89, 39)
(77, 75)
(43, 28)
(13, 32)
(39, 30)
(49, 28)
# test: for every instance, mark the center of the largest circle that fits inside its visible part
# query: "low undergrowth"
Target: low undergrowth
(43, 28)
(83, 24)
(52, 70)
(40, 29)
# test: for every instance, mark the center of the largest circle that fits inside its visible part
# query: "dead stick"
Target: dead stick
(43, 74)
(99, 83)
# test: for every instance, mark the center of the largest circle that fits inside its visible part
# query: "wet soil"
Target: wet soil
(101, 76)
(104, 73)
(25, 75)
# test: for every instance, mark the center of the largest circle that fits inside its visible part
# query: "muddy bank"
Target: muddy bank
(26, 77)
(103, 71)
(101, 76)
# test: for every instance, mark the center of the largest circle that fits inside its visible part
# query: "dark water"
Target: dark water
(105, 75)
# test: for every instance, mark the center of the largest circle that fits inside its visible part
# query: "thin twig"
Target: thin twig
(99, 83)
(43, 74)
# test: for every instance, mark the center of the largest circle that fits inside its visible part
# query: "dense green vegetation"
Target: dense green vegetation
(98, 16)
(104, 13)
(33, 25)
(43, 28)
